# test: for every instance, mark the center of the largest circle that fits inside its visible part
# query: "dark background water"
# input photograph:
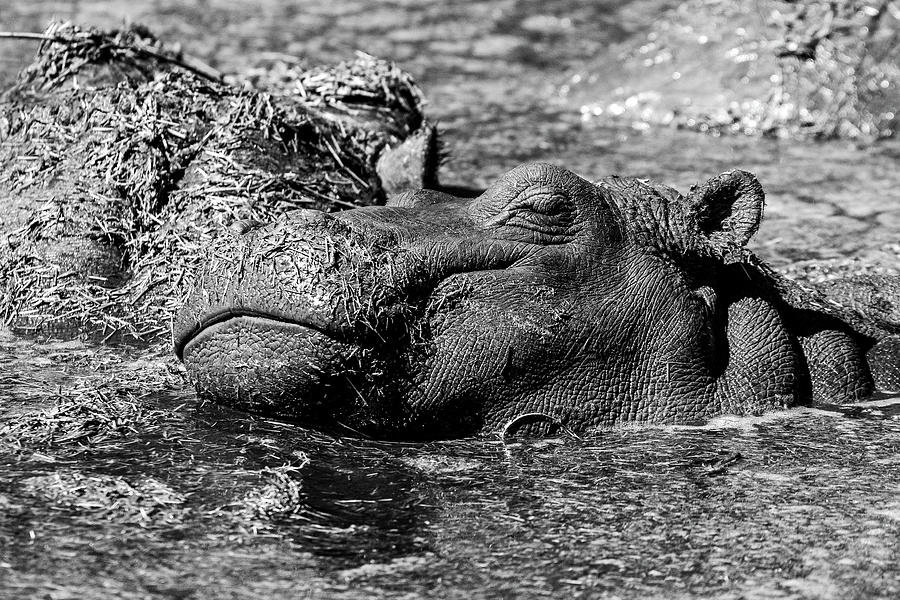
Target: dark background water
(180, 501)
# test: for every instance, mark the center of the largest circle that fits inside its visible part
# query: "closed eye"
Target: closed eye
(544, 201)
(543, 213)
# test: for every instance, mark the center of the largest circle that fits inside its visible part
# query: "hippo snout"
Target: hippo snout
(288, 314)
(269, 324)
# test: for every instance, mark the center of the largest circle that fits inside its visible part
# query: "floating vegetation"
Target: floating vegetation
(280, 497)
(146, 501)
(100, 411)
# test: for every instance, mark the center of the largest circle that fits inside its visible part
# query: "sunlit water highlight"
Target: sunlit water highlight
(198, 501)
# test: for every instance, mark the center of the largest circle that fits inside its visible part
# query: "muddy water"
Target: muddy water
(155, 496)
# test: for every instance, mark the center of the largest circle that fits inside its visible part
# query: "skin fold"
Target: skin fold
(546, 298)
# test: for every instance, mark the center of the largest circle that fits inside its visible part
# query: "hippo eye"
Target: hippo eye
(543, 210)
(537, 214)
(545, 202)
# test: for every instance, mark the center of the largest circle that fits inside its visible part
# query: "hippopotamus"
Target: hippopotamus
(118, 164)
(590, 304)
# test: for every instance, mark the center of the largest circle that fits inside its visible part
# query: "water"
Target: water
(172, 499)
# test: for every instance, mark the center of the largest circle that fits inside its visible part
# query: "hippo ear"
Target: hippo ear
(412, 164)
(728, 208)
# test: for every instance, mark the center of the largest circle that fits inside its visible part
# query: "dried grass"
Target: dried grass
(145, 501)
(147, 167)
(68, 51)
(101, 411)
(279, 498)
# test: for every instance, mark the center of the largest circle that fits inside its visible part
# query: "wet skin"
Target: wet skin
(588, 304)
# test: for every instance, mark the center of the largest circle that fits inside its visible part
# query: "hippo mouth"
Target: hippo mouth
(207, 326)
(263, 363)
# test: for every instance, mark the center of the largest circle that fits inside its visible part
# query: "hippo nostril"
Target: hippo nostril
(243, 226)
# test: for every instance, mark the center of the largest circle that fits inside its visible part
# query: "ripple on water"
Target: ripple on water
(779, 505)
(172, 499)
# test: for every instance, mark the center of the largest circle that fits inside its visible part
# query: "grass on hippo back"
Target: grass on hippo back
(171, 160)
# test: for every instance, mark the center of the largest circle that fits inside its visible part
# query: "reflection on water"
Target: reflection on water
(171, 499)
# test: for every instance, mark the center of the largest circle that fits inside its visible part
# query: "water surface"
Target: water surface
(172, 499)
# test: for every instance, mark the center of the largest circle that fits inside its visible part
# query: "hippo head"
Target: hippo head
(591, 304)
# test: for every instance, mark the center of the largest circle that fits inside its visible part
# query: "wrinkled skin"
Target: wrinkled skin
(546, 297)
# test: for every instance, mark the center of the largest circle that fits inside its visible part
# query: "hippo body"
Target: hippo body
(117, 167)
(589, 304)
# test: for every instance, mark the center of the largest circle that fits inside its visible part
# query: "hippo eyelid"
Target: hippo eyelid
(548, 200)
(545, 214)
